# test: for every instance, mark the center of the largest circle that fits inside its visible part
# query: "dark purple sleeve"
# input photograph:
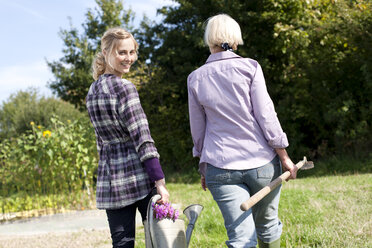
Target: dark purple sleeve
(153, 169)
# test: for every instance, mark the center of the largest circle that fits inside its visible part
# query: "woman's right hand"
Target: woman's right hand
(203, 184)
(287, 163)
(162, 191)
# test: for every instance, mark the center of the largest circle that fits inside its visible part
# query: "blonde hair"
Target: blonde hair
(222, 29)
(109, 43)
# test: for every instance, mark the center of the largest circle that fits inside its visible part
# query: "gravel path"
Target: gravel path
(79, 229)
(80, 239)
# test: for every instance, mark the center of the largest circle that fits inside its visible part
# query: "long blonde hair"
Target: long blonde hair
(109, 42)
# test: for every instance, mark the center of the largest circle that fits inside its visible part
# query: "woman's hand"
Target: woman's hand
(162, 191)
(287, 163)
(203, 184)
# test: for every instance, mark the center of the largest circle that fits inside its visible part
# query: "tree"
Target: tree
(73, 71)
(316, 58)
(27, 107)
(305, 49)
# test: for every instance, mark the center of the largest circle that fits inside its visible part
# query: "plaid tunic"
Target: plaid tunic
(123, 142)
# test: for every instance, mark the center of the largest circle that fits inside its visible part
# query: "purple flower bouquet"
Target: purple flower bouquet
(164, 211)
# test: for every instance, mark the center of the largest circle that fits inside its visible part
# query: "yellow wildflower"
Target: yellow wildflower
(32, 123)
(47, 133)
(39, 127)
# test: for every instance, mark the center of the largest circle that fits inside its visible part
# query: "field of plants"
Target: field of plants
(48, 169)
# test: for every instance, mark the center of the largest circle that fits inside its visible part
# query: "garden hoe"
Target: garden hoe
(303, 165)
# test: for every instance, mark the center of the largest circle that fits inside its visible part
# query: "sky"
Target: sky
(29, 37)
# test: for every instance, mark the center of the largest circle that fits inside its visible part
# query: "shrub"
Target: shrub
(27, 106)
(52, 162)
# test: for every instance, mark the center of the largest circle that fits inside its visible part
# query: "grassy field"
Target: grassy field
(328, 206)
(329, 211)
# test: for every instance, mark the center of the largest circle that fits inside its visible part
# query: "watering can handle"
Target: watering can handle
(150, 216)
(153, 199)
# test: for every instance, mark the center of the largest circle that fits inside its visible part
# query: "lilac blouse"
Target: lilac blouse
(232, 117)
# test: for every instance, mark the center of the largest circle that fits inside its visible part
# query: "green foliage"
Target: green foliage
(27, 106)
(164, 98)
(322, 91)
(26, 205)
(47, 162)
(73, 71)
(316, 58)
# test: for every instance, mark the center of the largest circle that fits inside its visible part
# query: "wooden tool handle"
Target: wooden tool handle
(267, 189)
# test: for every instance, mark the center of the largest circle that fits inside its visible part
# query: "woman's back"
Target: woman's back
(239, 113)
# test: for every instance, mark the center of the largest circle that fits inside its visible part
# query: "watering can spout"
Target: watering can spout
(192, 213)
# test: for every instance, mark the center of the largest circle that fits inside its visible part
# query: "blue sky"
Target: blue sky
(29, 37)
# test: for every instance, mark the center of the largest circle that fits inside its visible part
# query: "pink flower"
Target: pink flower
(162, 211)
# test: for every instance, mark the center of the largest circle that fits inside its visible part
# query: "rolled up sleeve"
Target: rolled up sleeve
(264, 112)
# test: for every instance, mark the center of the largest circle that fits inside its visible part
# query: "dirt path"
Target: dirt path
(80, 239)
(78, 229)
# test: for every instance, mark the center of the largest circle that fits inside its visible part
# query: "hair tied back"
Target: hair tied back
(225, 46)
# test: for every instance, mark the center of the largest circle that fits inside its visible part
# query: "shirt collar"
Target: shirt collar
(221, 56)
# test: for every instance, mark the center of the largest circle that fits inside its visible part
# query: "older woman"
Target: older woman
(237, 136)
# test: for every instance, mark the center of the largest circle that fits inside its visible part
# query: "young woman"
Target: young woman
(237, 136)
(129, 167)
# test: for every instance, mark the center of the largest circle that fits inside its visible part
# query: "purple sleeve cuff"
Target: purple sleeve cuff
(153, 169)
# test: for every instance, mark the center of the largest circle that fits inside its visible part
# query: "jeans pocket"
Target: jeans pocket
(271, 170)
(267, 171)
(217, 175)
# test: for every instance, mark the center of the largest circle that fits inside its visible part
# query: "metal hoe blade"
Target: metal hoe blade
(308, 165)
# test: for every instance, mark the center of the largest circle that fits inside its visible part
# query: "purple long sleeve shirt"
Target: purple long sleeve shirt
(232, 117)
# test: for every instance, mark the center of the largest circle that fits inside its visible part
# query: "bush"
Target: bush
(27, 106)
(60, 161)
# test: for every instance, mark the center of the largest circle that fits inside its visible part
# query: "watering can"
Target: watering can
(168, 233)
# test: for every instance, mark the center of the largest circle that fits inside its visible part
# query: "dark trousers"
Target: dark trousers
(122, 222)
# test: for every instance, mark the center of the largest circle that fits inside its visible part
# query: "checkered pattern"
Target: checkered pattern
(123, 142)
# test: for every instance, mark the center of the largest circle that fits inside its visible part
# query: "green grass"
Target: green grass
(328, 206)
(329, 211)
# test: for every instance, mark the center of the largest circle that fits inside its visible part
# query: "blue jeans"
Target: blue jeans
(230, 188)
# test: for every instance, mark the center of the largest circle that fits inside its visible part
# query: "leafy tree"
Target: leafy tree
(25, 107)
(73, 71)
(316, 58)
(313, 54)
(322, 89)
